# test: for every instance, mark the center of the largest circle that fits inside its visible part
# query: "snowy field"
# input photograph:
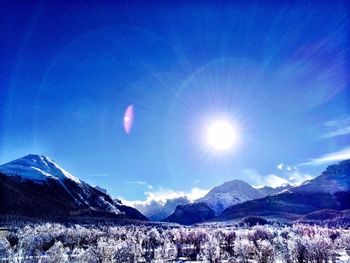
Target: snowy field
(135, 243)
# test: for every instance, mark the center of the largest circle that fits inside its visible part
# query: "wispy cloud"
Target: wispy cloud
(288, 175)
(136, 182)
(331, 157)
(140, 183)
(162, 195)
(337, 127)
(97, 175)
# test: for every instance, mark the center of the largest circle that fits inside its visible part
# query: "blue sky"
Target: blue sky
(278, 71)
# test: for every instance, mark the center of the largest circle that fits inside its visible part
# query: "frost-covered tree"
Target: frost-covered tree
(211, 251)
(244, 250)
(321, 249)
(57, 253)
(298, 248)
(264, 251)
(5, 248)
(162, 243)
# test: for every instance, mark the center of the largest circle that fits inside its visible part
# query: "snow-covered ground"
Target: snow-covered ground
(169, 243)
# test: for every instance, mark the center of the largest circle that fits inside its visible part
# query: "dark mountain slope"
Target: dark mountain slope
(287, 205)
(34, 186)
(191, 214)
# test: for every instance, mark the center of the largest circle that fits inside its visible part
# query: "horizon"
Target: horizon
(134, 98)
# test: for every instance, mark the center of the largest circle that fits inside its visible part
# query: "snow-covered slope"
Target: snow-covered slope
(36, 186)
(37, 168)
(228, 194)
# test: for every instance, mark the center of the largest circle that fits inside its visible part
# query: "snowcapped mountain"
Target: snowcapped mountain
(37, 168)
(237, 199)
(217, 200)
(36, 186)
(228, 194)
(330, 191)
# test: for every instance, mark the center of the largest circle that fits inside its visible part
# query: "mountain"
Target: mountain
(228, 194)
(330, 190)
(216, 200)
(157, 211)
(35, 186)
(191, 214)
(289, 206)
(336, 178)
(268, 190)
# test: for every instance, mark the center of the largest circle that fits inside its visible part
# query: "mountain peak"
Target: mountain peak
(36, 168)
(233, 185)
(229, 193)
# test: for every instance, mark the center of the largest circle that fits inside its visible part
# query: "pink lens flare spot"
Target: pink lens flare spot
(128, 119)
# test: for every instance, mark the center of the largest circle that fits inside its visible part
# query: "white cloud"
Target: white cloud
(265, 180)
(331, 157)
(296, 177)
(280, 166)
(275, 181)
(283, 166)
(163, 195)
(337, 127)
(289, 175)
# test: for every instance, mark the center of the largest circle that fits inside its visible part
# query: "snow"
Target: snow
(228, 194)
(36, 168)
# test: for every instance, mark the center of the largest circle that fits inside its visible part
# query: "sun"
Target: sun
(222, 135)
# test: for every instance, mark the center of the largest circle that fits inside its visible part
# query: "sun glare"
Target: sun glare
(222, 135)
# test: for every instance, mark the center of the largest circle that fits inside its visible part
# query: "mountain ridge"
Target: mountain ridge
(35, 186)
(330, 190)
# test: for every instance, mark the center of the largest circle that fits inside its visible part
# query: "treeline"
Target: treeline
(147, 243)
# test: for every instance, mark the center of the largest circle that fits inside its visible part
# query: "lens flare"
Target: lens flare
(128, 119)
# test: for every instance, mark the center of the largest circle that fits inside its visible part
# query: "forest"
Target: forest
(103, 243)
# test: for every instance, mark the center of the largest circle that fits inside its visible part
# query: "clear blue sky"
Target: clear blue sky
(69, 69)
